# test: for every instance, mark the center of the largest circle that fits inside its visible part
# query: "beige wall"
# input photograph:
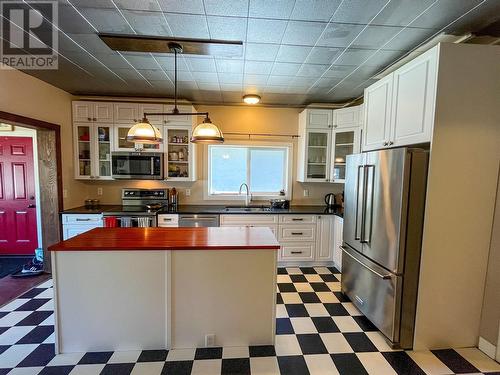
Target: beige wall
(231, 119)
(24, 95)
(490, 317)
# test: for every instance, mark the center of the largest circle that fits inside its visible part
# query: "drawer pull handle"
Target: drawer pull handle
(165, 219)
(83, 219)
(296, 252)
(384, 277)
(298, 219)
(297, 233)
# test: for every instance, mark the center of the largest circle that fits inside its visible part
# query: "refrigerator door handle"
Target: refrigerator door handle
(366, 231)
(385, 277)
(358, 226)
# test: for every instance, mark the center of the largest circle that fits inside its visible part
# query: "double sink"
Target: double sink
(247, 209)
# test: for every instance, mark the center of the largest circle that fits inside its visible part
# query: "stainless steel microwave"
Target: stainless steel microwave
(137, 165)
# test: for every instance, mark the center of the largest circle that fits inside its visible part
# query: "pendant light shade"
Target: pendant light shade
(144, 132)
(206, 132)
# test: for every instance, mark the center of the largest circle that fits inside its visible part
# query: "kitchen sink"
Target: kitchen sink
(247, 209)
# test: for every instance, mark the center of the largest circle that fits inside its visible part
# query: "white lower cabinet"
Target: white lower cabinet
(168, 220)
(75, 224)
(251, 220)
(326, 238)
(338, 228)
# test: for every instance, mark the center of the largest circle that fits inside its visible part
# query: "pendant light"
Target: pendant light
(144, 132)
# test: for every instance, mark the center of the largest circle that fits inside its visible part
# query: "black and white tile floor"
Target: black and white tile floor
(318, 332)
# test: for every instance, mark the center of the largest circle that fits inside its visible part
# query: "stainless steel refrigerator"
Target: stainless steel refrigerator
(383, 220)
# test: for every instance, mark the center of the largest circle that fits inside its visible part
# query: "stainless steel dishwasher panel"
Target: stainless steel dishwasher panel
(199, 220)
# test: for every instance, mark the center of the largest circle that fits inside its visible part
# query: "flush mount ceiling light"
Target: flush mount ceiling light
(251, 99)
(144, 132)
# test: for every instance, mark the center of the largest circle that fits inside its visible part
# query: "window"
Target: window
(263, 168)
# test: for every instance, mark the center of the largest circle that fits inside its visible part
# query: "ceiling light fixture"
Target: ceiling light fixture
(251, 99)
(143, 131)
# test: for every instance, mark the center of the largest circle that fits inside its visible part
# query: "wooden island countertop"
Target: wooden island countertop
(214, 238)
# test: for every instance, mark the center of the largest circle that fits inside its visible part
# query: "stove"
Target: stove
(139, 208)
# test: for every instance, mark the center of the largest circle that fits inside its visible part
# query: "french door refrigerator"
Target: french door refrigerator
(383, 220)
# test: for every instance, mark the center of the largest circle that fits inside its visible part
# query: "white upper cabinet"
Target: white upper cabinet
(399, 109)
(101, 112)
(126, 113)
(177, 120)
(377, 114)
(319, 118)
(346, 117)
(414, 92)
(151, 108)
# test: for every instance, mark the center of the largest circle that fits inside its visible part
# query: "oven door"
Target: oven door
(137, 166)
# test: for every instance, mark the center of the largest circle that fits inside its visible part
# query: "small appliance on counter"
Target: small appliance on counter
(280, 204)
(334, 200)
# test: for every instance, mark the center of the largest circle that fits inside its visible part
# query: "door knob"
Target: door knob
(31, 206)
(32, 197)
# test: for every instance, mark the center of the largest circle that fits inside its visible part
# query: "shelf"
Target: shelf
(317, 146)
(84, 159)
(104, 142)
(178, 144)
(310, 163)
(83, 141)
(344, 144)
(339, 163)
(178, 162)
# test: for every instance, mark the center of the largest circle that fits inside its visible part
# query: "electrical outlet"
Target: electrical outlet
(188, 192)
(99, 191)
(65, 193)
(306, 193)
(209, 340)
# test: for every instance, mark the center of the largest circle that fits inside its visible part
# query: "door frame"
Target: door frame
(39, 125)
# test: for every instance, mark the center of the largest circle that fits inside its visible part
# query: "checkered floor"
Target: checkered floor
(318, 332)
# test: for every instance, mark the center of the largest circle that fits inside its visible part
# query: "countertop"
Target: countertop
(213, 209)
(138, 239)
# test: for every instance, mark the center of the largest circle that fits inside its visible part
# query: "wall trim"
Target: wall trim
(487, 348)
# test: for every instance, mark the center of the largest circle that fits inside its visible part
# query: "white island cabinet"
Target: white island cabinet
(75, 224)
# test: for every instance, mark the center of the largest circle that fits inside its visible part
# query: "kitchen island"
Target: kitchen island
(162, 288)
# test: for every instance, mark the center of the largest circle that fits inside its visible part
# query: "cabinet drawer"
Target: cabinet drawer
(296, 251)
(297, 232)
(251, 219)
(298, 219)
(74, 230)
(168, 220)
(82, 219)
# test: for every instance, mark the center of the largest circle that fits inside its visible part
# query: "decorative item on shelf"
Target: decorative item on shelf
(173, 156)
(182, 154)
(85, 137)
(102, 135)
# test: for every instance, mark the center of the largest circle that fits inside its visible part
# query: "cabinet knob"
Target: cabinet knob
(391, 143)
(95, 119)
(89, 119)
(385, 143)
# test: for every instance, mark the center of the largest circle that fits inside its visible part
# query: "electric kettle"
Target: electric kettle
(330, 200)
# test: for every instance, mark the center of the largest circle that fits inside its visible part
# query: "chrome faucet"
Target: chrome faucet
(248, 196)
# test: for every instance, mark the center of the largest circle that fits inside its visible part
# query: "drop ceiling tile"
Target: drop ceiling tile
(127, 74)
(106, 20)
(147, 5)
(301, 81)
(200, 64)
(276, 89)
(265, 30)
(89, 42)
(187, 25)
(166, 60)
(231, 96)
(205, 77)
(314, 10)
(339, 35)
(354, 56)
(209, 86)
(303, 33)
(312, 70)
(154, 74)
(296, 54)
(230, 78)
(147, 23)
(70, 21)
(235, 87)
(323, 55)
(444, 12)
(297, 89)
(326, 83)
(229, 66)
(255, 79)
(140, 61)
(184, 87)
(381, 58)
(402, 12)
(409, 38)
(358, 11)
(231, 8)
(374, 37)
(261, 52)
(184, 6)
(227, 28)
(285, 69)
(271, 9)
(279, 80)
(258, 67)
(339, 71)
(89, 3)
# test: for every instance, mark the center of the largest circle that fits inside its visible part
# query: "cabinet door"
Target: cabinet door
(84, 150)
(83, 111)
(103, 145)
(103, 112)
(74, 230)
(338, 228)
(377, 121)
(319, 118)
(126, 113)
(413, 100)
(183, 119)
(346, 117)
(345, 142)
(317, 155)
(180, 164)
(325, 239)
(152, 108)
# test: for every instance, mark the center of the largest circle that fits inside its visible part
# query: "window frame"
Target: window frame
(287, 171)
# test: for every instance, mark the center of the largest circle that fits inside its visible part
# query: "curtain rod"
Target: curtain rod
(263, 134)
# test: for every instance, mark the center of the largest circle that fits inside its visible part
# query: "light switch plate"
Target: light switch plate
(188, 192)
(306, 193)
(99, 191)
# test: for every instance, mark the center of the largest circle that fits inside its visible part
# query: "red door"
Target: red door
(18, 232)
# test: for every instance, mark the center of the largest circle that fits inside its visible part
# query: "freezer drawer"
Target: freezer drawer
(375, 292)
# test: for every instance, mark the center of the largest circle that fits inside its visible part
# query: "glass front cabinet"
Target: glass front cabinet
(179, 153)
(93, 146)
(322, 150)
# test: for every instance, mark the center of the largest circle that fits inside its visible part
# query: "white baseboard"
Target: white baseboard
(487, 348)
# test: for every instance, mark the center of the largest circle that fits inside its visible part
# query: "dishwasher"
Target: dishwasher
(201, 220)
